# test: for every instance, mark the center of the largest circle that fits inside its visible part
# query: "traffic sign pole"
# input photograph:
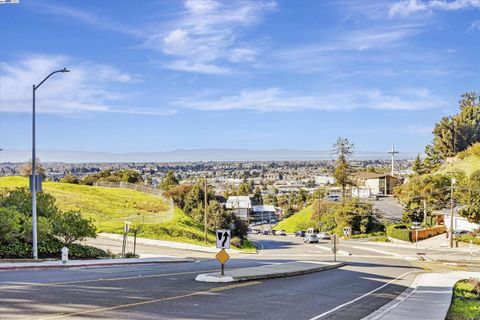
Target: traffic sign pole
(334, 248)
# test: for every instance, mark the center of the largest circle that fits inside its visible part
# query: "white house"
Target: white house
(264, 213)
(459, 223)
(324, 180)
(241, 206)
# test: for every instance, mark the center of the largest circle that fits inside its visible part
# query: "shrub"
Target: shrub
(400, 232)
(467, 237)
(70, 226)
(9, 224)
(48, 248)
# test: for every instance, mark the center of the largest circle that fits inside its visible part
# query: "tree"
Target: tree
(69, 178)
(417, 166)
(70, 226)
(244, 188)
(26, 169)
(422, 195)
(469, 196)
(257, 196)
(342, 149)
(169, 181)
(456, 133)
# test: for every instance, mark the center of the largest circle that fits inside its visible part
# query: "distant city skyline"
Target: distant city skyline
(156, 76)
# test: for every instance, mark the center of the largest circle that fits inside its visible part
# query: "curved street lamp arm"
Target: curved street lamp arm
(61, 70)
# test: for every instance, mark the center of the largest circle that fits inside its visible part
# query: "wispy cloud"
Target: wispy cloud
(82, 16)
(204, 38)
(89, 87)
(275, 99)
(408, 7)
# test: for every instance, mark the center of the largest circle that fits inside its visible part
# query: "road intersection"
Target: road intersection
(370, 280)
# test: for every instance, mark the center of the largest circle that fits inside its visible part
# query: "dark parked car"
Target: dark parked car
(458, 233)
(300, 233)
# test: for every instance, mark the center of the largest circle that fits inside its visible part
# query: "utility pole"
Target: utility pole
(205, 215)
(393, 153)
(452, 182)
(318, 212)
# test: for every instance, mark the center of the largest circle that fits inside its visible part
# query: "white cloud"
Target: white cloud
(408, 7)
(204, 37)
(275, 99)
(87, 88)
(475, 25)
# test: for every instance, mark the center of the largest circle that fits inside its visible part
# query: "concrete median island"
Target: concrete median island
(269, 271)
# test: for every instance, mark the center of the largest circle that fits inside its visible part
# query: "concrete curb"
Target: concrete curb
(466, 263)
(257, 273)
(89, 264)
(428, 297)
(407, 293)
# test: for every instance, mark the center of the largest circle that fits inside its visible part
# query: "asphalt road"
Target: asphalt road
(170, 292)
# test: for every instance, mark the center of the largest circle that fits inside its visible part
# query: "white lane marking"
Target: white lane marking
(340, 252)
(361, 297)
(386, 253)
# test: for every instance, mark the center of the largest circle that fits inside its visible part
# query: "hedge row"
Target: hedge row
(50, 248)
(400, 232)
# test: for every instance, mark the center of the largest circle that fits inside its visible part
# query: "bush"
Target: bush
(467, 237)
(400, 232)
(367, 235)
(9, 224)
(49, 248)
(70, 226)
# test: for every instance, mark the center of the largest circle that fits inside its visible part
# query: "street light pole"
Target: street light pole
(34, 169)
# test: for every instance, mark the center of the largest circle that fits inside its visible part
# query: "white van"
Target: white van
(332, 197)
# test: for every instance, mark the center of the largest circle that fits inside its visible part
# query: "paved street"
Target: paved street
(170, 292)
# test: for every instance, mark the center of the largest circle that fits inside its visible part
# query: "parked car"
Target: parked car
(324, 236)
(458, 233)
(300, 233)
(255, 231)
(266, 232)
(281, 233)
(311, 238)
(332, 197)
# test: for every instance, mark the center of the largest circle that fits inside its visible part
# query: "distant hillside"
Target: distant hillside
(111, 207)
(298, 221)
(190, 155)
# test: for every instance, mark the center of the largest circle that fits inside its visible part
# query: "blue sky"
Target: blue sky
(166, 75)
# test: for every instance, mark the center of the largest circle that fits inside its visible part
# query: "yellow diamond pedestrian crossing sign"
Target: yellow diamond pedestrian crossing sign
(222, 256)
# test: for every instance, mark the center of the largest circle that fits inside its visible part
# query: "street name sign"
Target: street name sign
(223, 238)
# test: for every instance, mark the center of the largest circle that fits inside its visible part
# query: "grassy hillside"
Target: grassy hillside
(297, 221)
(109, 207)
(468, 165)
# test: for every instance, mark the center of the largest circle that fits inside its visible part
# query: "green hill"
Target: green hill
(298, 221)
(468, 165)
(111, 207)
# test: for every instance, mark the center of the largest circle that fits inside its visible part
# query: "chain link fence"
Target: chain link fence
(142, 188)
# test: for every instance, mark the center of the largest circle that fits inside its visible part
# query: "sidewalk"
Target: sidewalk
(168, 244)
(269, 271)
(428, 298)
(88, 263)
